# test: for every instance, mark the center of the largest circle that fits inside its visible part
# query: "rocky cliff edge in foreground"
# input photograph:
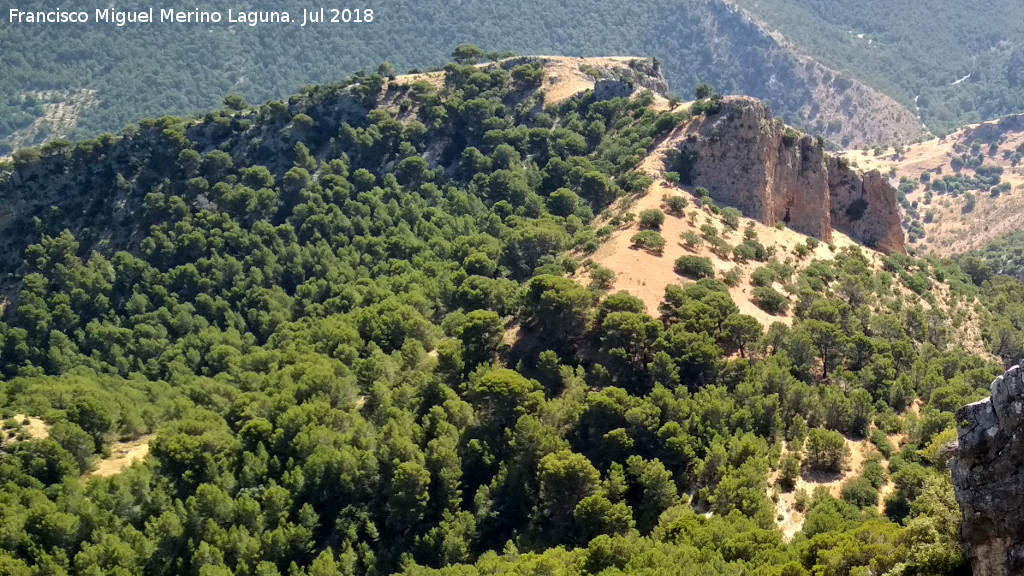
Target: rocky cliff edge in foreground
(988, 477)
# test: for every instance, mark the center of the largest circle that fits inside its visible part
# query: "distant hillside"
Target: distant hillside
(960, 191)
(159, 69)
(955, 63)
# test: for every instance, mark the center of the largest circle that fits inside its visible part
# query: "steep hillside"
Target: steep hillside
(962, 190)
(744, 252)
(152, 70)
(949, 62)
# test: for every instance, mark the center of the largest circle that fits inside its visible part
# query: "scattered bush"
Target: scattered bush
(708, 231)
(648, 240)
(750, 250)
(732, 277)
(602, 278)
(676, 204)
(691, 240)
(731, 217)
(770, 300)
(763, 276)
(881, 441)
(694, 267)
(651, 219)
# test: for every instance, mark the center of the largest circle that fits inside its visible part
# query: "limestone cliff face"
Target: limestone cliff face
(747, 159)
(988, 478)
(865, 207)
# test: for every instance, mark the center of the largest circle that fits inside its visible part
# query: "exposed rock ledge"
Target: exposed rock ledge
(748, 159)
(988, 478)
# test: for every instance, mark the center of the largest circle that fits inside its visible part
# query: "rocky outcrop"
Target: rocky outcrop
(988, 478)
(773, 173)
(864, 206)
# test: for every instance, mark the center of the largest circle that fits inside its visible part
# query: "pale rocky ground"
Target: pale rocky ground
(35, 428)
(122, 455)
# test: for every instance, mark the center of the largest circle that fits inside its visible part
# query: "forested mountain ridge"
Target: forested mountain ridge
(118, 75)
(349, 321)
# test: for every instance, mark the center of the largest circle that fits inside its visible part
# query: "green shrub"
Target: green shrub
(801, 500)
(826, 450)
(708, 231)
(651, 219)
(789, 469)
(732, 277)
(790, 136)
(859, 492)
(874, 472)
(694, 267)
(881, 441)
(720, 247)
(676, 204)
(770, 300)
(731, 217)
(750, 250)
(601, 278)
(648, 240)
(691, 240)
(672, 177)
(763, 276)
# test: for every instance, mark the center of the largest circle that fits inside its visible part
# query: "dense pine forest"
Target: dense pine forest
(349, 322)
